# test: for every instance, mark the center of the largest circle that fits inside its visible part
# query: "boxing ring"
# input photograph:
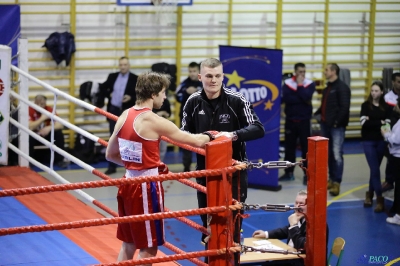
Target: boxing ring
(220, 205)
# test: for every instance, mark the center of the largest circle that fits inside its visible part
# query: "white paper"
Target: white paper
(261, 242)
(269, 246)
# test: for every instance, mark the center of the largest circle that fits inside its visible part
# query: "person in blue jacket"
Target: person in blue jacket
(297, 93)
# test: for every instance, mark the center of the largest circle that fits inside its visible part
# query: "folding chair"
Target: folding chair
(337, 250)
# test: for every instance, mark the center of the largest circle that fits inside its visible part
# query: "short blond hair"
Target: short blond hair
(211, 63)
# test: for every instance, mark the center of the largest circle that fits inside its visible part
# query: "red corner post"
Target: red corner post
(317, 167)
(219, 155)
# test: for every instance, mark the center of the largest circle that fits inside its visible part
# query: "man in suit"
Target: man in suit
(295, 232)
(119, 88)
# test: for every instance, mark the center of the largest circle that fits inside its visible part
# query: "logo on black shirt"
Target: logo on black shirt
(224, 119)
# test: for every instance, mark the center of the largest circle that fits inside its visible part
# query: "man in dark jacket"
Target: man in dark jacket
(218, 108)
(119, 88)
(297, 93)
(334, 111)
(295, 232)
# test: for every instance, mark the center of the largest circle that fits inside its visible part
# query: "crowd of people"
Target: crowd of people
(143, 109)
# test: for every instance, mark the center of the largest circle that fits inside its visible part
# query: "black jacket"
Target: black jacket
(336, 103)
(297, 234)
(107, 88)
(182, 96)
(233, 113)
(61, 46)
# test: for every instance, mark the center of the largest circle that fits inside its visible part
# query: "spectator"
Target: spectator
(297, 93)
(41, 124)
(119, 88)
(393, 138)
(189, 86)
(391, 100)
(374, 113)
(334, 111)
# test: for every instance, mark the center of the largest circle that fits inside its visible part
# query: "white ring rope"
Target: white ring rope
(57, 118)
(54, 90)
(51, 145)
(52, 130)
(50, 171)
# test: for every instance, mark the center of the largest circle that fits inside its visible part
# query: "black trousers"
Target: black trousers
(43, 156)
(390, 169)
(111, 125)
(202, 202)
(296, 130)
(186, 159)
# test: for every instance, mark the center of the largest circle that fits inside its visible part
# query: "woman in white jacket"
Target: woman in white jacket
(393, 138)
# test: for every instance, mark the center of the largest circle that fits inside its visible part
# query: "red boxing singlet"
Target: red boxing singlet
(137, 153)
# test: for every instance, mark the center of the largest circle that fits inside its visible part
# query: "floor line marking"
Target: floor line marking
(346, 193)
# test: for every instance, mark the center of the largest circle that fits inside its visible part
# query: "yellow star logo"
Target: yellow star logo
(234, 78)
(268, 105)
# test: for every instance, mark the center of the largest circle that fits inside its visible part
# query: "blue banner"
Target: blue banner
(257, 73)
(10, 30)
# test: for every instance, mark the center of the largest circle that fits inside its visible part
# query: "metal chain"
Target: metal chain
(269, 207)
(246, 249)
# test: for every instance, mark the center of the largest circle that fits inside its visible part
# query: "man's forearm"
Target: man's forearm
(252, 132)
(33, 125)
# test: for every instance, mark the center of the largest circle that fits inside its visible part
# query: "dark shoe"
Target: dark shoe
(305, 180)
(110, 171)
(386, 186)
(329, 184)
(368, 199)
(335, 190)
(380, 204)
(287, 177)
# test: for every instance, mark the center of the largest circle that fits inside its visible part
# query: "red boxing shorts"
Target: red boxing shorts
(144, 198)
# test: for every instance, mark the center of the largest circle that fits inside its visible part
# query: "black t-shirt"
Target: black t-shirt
(214, 102)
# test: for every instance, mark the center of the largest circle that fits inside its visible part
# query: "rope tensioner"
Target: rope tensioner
(265, 250)
(269, 207)
(274, 164)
